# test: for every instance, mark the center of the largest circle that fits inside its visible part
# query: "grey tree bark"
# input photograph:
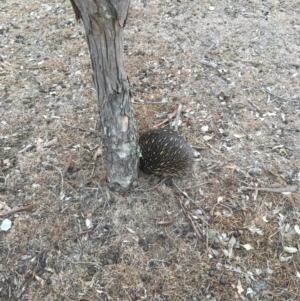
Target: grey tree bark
(104, 22)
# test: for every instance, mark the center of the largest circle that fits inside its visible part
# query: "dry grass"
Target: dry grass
(243, 116)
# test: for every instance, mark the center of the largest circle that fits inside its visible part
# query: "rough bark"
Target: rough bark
(104, 21)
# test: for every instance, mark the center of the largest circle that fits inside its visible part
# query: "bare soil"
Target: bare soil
(235, 68)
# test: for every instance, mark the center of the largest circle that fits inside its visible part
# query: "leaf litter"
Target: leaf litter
(234, 69)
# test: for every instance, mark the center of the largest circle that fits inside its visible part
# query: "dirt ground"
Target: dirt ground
(230, 231)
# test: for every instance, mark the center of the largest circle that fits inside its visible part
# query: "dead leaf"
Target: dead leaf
(98, 153)
(285, 259)
(297, 229)
(254, 229)
(166, 222)
(269, 114)
(239, 287)
(234, 167)
(204, 128)
(220, 199)
(6, 225)
(15, 209)
(231, 244)
(130, 230)
(239, 136)
(290, 250)
(265, 219)
(68, 164)
(89, 221)
(247, 247)
(50, 143)
(206, 138)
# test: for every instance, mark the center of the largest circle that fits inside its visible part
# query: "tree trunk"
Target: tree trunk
(104, 21)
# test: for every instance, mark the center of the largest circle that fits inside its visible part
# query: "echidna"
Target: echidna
(165, 153)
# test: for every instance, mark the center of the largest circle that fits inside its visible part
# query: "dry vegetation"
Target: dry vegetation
(221, 241)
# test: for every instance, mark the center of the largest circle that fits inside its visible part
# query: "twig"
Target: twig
(153, 187)
(67, 166)
(187, 196)
(207, 50)
(62, 178)
(51, 142)
(166, 222)
(198, 147)
(29, 279)
(158, 260)
(241, 129)
(216, 150)
(150, 103)
(84, 262)
(177, 117)
(201, 184)
(98, 153)
(85, 232)
(209, 64)
(280, 97)
(26, 148)
(223, 205)
(16, 209)
(39, 255)
(186, 213)
(275, 190)
(254, 105)
(78, 128)
(211, 146)
(170, 116)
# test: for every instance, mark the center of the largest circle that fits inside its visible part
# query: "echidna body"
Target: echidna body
(165, 153)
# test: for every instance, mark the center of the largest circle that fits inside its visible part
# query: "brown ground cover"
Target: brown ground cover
(231, 233)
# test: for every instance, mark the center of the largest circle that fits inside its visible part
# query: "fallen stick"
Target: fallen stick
(277, 96)
(67, 166)
(275, 190)
(254, 105)
(166, 222)
(15, 209)
(51, 142)
(187, 215)
(177, 116)
(209, 64)
(78, 128)
(170, 116)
